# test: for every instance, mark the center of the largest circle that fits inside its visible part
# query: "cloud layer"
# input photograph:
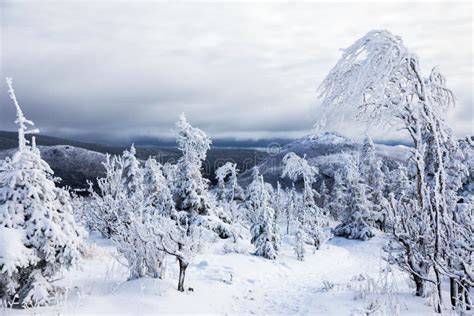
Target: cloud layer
(242, 70)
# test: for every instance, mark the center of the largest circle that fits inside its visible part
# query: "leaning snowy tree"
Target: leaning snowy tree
(38, 234)
(310, 217)
(382, 79)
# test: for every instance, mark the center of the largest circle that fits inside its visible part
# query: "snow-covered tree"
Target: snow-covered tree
(310, 217)
(157, 193)
(190, 193)
(38, 233)
(382, 78)
(412, 244)
(324, 198)
(290, 206)
(262, 217)
(131, 173)
(227, 188)
(374, 178)
(110, 200)
(338, 202)
(357, 214)
(190, 190)
(228, 192)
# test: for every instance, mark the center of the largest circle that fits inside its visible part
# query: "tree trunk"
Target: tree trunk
(439, 303)
(453, 291)
(182, 271)
(467, 297)
(420, 286)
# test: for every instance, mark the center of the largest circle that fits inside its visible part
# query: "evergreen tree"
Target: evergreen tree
(324, 197)
(338, 202)
(356, 216)
(190, 190)
(158, 196)
(36, 216)
(132, 176)
(372, 175)
(262, 225)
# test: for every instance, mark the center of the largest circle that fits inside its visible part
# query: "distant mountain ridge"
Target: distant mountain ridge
(325, 151)
(76, 162)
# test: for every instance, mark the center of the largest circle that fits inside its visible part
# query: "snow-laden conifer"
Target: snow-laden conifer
(262, 216)
(357, 214)
(36, 218)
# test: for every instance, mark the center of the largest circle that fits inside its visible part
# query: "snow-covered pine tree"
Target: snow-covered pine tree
(290, 206)
(357, 214)
(279, 201)
(132, 173)
(382, 78)
(262, 216)
(190, 190)
(310, 217)
(374, 178)
(338, 202)
(158, 196)
(324, 198)
(38, 233)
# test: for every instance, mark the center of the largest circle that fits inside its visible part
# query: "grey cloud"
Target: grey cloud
(240, 70)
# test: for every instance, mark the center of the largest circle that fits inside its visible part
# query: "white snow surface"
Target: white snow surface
(232, 283)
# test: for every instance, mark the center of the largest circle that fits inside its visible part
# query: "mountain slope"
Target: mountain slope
(325, 152)
(76, 162)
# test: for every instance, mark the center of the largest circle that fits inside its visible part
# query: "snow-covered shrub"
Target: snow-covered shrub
(379, 294)
(38, 217)
(111, 199)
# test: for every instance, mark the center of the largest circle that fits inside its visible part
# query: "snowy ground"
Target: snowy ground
(326, 283)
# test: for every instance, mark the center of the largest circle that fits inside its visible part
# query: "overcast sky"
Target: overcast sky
(243, 70)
